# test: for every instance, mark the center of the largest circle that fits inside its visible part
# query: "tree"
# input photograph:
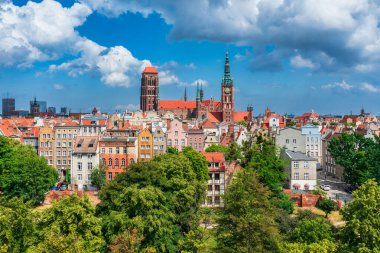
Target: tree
(216, 148)
(127, 242)
(311, 230)
(17, 225)
(324, 246)
(22, 173)
(358, 155)
(233, 152)
(69, 225)
(247, 222)
(361, 232)
(326, 205)
(160, 198)
(98, 177)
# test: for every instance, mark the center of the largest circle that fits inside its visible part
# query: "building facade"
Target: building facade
(145, 145)
(8, 106)
(216, 181)
(159, 142)
(196, 139)
(176, 134)
(149, 90)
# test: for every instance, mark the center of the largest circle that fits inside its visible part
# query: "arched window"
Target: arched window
(123, 162)
(116, 162)
(131, 161)
(104, 161)
(110, 162)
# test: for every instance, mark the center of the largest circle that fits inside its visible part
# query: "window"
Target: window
(123, 162)
(296, 164)
(58, 162)
(183, 142)
(209, 188)
(306, 176)
(89, 177)
(217, 200)
(104, 161)
(306, 164)
(79, 166)
(217, 188)
(70, 144)
(142, 147)
(64, 162)
(69, 153)
(148, 147)
(103, 150)
(161, 138)
(176, 133)
(117, 150)
(155, 138)
(294, 141)
(89, 166)
(217, 176)
(216, 165)
(296, 176)
(69, 136)
(109, 150)
(50, 153)
(116, 162)
(58, 144)
(109, 162)
(69, 162)
(79, 177)
(89, 156)
(79, 156)
(155, 147)
(64, 136)
(64, 153)
(58, 153)
(195, 146)
(50, 162)
(175, 142)
(64, 144)
(287, 141)
(41, 153)
(169, 142)
(42, 144)
(142, 156)
(124, 150)
(161, 147)
(47, 153)
(44, 136)
(147, 156)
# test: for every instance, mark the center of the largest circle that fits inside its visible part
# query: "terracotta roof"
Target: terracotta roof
(208, 124)
(86, 144)
(177, 104)
(214, 102)
(150, 70)
(215, 117)
(9, 129)
(240, 116)
(214, 156)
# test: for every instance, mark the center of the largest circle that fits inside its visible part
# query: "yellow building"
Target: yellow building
(145, 143)
(46, 144)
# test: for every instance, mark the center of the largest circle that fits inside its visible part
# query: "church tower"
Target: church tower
(149, 90)
(228, 105)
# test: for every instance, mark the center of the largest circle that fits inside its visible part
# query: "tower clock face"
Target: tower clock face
(227, 90)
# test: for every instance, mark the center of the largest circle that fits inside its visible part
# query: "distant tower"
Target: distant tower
(185, 96)
(35, 108)
(201, 92)
(198, 102)
(149, 90)
(228, 105)
(250, 110)
(8, 107)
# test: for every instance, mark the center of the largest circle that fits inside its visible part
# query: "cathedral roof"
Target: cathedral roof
(177, 104)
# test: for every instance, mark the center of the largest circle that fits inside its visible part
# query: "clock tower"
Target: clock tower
(228, 105)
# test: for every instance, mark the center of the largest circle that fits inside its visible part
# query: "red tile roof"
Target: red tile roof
(240, 116)
(177, 104)
(150, 70)
(215, 117)
(214, 156)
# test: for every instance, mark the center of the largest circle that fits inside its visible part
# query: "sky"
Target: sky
(294, 56)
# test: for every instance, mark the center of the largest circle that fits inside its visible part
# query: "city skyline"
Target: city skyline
(91, 53)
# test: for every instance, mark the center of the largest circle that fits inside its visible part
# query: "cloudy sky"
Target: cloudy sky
(290, 55)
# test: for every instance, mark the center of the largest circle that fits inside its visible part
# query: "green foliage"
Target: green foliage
(216, 148)
(326, 205)
(285, 203)
(22, 173)
(69, 226)
(290, 123)
(247, 222)
(324, 246)
(172, 150)
(233, 152)
(242, 123)
(361, 232)
(98, 177)
(358, 155)
(311, 230)
(17, 226)
(160, 198)
(127, 242)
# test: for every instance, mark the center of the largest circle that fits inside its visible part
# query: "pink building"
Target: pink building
(177, 134)
(196, 139)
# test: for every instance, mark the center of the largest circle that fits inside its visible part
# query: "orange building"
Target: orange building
(46, 143)
(145, 145)
(114, 155)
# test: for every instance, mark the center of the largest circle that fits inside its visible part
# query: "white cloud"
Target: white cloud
(299, 62)
(339, 85)
(344, 34)
(58, 86)
(200, 81)
(369, 88)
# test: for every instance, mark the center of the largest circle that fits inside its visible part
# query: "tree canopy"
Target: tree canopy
(22, 173)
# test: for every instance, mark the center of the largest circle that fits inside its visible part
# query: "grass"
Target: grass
(334, 217)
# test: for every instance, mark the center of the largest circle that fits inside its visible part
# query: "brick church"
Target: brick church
(216, 111)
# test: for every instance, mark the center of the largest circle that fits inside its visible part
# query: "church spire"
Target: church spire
(185, 96)
(201, 92)
(227, 75)
(198, 97)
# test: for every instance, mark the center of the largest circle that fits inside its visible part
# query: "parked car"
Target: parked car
(54, 188)
(326, 187)
(63, 187)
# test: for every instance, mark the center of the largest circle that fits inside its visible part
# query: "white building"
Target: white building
(85, 157)
(313, 141)
(302, 171)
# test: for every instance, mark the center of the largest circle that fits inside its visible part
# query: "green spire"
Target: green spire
(227, 76)
(198, 92)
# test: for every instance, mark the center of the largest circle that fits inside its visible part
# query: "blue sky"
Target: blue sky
(290, 55)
